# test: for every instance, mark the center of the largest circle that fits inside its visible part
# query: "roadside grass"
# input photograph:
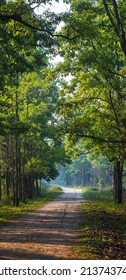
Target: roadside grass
(97, 194)
(9, 212)
(103, 226)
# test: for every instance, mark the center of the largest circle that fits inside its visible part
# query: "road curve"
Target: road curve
(50, 232)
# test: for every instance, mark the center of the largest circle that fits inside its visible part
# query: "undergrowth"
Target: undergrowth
(8, 212)
(104, 225)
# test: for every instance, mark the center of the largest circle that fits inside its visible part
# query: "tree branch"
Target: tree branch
(119, 23)
(110, 17)
(100, 139)
(19, 19)
(119, 30)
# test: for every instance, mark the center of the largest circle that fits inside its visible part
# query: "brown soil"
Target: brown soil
(51, 232)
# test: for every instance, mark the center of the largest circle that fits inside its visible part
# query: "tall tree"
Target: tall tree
(92, 104)
(29, 145)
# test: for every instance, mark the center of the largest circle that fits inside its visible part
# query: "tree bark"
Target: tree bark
(17, 175)
(30, 187)
(37, 187)
(118, 170)
(20, 173)
(0, 188)
(13, 169)
(7, 182)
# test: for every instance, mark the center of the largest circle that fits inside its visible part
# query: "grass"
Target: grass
(104, 226)
(9, 212)
(97, 194)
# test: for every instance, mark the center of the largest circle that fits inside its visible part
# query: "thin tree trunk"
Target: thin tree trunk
(20, 172)
(30, 187)
(7, 183)
(118, 170)
(17, 175)
(37, 187)
(0, 185)
(13, 170)
(17, 152)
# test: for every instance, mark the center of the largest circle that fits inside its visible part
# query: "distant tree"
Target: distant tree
(84, 170)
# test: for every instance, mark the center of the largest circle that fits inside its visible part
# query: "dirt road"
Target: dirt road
(50, 232)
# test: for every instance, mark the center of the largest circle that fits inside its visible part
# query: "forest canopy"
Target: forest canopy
(41, 110)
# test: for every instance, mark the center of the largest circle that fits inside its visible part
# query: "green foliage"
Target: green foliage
(92, 103)
(30, 147)
(96, 193)
(86, 170)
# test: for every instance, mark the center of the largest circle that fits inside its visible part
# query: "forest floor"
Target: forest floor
(104, 225)
(51, 232)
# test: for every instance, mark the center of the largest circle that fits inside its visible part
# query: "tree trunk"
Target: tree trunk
(0, 182)
(23, 185)
(13, 170)
(20, 173)
(17, 174)
(0, 188)
(118, 170)
(37, 187)
(17, 148)
(7, 182)
(30, 187)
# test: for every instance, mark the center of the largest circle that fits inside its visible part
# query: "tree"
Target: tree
(30, 148)
(92, 104)
(84, 170)
(33, 149)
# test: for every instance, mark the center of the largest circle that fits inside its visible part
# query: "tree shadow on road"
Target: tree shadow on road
(55, 227)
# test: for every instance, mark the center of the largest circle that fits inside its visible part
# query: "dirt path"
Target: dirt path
(50, 232)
